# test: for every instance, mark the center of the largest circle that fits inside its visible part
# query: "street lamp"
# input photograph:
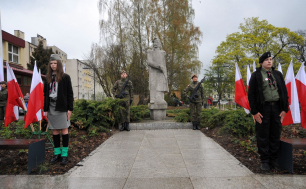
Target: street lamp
(94, 80)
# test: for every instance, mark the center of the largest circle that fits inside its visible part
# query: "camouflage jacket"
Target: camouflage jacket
(3, 97)
(189, 89)
(118, 87)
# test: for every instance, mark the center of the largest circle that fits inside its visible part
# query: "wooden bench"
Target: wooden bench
(285, 158)
(36, 147)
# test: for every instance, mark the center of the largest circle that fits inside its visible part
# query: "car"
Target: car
(177, 102)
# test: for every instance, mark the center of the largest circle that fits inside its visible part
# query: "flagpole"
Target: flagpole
(1, 53)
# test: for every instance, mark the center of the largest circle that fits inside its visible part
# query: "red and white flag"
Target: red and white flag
(12, 112)
(43, 99)
(293, 115)
(248, 81)
(279, 68)
(35, 99)
(240, 92)
(248, 77)
(254, 66)
(13, 89)
(300, 79)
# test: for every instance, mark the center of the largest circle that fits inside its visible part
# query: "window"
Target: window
(13, 53)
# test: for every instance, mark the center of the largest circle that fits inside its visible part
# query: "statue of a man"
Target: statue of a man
(158, 81)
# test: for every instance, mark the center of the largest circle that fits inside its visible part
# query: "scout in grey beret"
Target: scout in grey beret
(55, 57)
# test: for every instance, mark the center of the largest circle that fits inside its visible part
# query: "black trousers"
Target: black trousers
(268, 133)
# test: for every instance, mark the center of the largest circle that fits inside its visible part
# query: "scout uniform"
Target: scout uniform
(195, 107)
(125, 114)
(268, 96)
(3, 99)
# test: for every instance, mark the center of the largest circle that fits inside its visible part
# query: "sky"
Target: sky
(73, 25)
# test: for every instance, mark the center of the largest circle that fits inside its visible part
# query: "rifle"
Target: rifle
(122, 92)
(194, 94)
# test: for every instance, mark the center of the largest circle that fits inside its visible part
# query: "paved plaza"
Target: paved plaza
(174, 159)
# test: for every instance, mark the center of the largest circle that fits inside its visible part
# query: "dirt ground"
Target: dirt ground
(251, 159)
(14, 162)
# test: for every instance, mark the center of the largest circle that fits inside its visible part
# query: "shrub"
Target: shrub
(20, 131)
(7, 132)
(169, 100)
(238, 123)
(88, 113)
(93, 131)
(216, 119)
(139, 112)
(206, 114)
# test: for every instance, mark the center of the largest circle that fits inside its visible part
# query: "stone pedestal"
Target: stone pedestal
(158, 111)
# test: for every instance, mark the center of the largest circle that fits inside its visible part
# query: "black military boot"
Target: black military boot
(64, 161)
(194, 125)
(265, 167)
(55, 159)
(122, 127)
(275, 165)
(127, 126)
(198, 125)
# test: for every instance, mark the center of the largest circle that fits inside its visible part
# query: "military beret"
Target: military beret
(123, 71)
(194, 75)
(3, 82)
(55, 57)
(264, 56)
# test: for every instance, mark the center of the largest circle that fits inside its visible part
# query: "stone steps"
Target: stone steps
(160, 125)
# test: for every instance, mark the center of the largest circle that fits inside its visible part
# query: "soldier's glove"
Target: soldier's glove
(131, 101)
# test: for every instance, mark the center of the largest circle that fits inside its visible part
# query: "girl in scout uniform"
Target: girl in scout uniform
(58, 106)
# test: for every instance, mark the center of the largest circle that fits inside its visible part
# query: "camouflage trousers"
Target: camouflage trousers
(125, 114)
(2, 112)
(195, 111)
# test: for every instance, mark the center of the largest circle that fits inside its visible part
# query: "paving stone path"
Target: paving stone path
(158, 159)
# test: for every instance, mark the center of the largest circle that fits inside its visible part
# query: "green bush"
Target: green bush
(93, 131)
(7, 132)
(20, 131)
(137, 113)
(206, 114)
(103, 114)
(217, 119)
(238, 123)
(96, 113)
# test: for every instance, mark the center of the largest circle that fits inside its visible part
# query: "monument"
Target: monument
(158, 81)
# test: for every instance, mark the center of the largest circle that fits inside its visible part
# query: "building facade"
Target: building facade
(83, 81)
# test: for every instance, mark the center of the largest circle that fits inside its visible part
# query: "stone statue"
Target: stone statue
(158, 81)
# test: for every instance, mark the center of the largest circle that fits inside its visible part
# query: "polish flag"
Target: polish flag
(254, 66)
(300, 79)
(35, 99)
(13, 89)
(43, 99)
(293, 115)
(12, 112)
(248, 77)
(279, 68)
(240, 92)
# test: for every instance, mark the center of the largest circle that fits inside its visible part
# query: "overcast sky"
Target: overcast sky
(73, 25)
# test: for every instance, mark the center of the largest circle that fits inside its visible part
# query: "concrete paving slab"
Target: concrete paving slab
(281, 181)
(158, 183)
(96, 182)
(226, 182)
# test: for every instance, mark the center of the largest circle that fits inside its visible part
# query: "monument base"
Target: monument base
(158, 111)
(158, 114)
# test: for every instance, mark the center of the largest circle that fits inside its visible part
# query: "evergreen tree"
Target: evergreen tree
(42, 57)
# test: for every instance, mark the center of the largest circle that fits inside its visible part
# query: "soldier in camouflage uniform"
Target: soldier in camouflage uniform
(125, 115)
(3, 99)
(195, 107)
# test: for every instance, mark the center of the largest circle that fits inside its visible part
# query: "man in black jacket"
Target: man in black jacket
(268, 100)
